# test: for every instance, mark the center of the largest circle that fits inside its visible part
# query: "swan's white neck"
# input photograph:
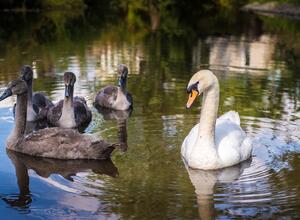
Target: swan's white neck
(204, 153)
(20, 120)
(209, 114)
(67, 119)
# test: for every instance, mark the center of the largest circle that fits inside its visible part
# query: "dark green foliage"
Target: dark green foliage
(127, 5)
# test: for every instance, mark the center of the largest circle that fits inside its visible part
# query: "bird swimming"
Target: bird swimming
(115, 97)
(213, 143)
(38, 103)
(60, 143)
(72, 112)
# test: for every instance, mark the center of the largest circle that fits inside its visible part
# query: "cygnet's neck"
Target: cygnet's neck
(31, 114)
(20, 120)
(29, 92)
(209, 113)
(122, 84)
(67, 118)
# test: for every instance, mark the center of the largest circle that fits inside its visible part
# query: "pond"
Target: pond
(255, 60)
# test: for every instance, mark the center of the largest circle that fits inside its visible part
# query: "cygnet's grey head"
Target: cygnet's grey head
(26, 73)
(15, 87)
(69, 80)
(123, 72)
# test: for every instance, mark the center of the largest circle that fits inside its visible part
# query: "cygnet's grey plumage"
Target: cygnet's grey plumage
(38, 103)
(58, 143)
(115, 97)
(70, 112)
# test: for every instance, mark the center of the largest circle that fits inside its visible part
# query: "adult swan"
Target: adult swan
(213, 143)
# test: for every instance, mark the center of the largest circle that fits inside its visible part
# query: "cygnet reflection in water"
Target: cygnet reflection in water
(121, 118)
(44, 167)
(205, 181)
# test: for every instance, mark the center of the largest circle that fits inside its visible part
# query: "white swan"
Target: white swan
(213, 143)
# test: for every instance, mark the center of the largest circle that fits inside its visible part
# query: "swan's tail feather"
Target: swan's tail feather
(103, 149)
(106, 153)
(231, 116)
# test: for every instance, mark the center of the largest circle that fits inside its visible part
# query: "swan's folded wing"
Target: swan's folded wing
(41, 100)
(80, 99)
(54, 113)
(232, 116)
(189, 141)
(229, 138)
(107, 96)
(83, 114)
(63, 144)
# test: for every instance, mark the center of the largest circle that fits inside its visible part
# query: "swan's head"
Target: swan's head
(15, 87)
(26, 73)
(200, 82)
(123, 72)
(69, 80)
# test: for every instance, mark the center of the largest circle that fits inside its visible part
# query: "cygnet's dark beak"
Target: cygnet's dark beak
(6, 94)
(123, 72)
(67, 90)
(122, 81)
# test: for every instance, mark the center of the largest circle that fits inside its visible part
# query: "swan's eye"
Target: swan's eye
(193, 87)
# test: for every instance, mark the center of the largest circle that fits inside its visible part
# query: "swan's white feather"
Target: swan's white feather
(232, 116)
(231, 144)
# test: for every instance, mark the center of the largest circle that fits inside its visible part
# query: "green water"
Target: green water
(256, 61)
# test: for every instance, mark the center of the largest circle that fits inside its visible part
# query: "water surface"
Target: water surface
(255, 60)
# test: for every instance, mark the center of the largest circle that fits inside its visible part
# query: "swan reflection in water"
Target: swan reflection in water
(204, 182)
(121, 118)
(44, 167)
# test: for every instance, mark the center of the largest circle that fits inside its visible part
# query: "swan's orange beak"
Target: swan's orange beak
(192, 97)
